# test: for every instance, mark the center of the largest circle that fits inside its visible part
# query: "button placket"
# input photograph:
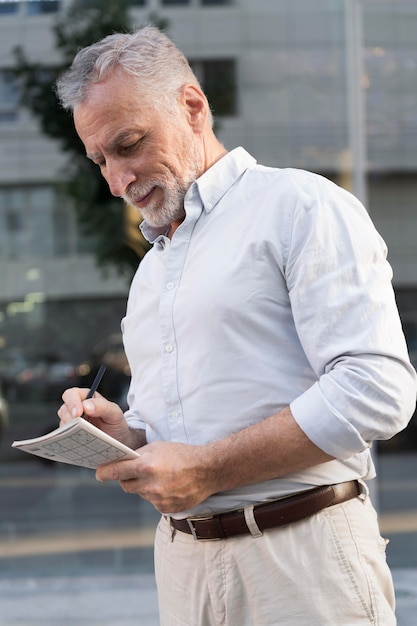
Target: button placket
(169, 357)
(174, 264)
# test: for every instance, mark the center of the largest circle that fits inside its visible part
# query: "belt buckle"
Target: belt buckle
(190, 522)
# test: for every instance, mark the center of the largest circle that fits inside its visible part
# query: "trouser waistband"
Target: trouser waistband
(255, 519)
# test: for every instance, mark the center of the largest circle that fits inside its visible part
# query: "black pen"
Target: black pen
(96, 381)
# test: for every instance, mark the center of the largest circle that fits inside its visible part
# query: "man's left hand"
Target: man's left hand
(172, 476)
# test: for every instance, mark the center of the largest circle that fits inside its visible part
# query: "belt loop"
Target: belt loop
(173, 530)
(364, 495)
(250, 520)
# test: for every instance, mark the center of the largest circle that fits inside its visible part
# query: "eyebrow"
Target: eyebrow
(113, 144)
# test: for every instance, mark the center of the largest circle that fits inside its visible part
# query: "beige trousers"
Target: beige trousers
(328, 570)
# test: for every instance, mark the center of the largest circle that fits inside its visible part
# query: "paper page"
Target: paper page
(77, 443)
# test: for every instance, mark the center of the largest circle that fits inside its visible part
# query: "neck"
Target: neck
(173, 227)
(214, 151)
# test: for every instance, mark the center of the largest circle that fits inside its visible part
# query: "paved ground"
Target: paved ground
(82, 601)
(122, 601)
(405, 581)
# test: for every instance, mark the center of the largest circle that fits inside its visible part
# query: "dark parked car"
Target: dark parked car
(38, 378)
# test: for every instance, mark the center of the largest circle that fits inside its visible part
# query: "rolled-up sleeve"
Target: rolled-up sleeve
(346, 317)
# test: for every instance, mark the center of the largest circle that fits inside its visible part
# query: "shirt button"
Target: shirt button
(176, 415)
(169, 348)
(170, 286)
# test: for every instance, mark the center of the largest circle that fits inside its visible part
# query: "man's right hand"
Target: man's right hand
(106, 415)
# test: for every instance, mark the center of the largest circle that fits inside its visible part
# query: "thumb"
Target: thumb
(99, 407)
(95, 406)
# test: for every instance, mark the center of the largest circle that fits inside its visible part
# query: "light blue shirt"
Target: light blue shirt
(274, 291)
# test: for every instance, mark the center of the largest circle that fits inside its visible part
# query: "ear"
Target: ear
(195, 105)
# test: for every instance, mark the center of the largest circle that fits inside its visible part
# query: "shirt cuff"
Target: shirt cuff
(134, 421)
(327, 429)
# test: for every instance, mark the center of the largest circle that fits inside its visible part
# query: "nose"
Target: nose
(118, 176)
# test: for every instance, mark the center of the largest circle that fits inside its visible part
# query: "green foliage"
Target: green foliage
(99, 214)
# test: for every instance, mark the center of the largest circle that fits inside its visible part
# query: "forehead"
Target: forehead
(119, 91)
(111, 107)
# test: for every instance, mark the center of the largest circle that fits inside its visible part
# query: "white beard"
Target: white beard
(174, 189)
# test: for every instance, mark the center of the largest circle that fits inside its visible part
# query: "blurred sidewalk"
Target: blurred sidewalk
(123, 600)
(405, 581)
(83, 600)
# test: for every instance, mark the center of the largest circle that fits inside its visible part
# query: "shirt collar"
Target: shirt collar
(220, 177)
(212, 185)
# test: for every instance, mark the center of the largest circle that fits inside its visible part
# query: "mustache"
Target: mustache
(136, 193)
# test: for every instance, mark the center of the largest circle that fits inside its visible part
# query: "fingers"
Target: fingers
(163, 475)
(133, 479)
(76, 405)
(108, 472)
(120, 470)
(73, 404)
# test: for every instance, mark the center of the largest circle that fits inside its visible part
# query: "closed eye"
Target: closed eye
(125, 150)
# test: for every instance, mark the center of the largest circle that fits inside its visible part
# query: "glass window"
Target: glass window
(86, 4)
(7, 117)
(8, 87)
(36, 7)
(9, 96)
(35, 223)
(8, 7)
(391, 98)
(41, 203)
(215, 2)
(172, 2)
(12, 225)
(218, 79)
(64, 229)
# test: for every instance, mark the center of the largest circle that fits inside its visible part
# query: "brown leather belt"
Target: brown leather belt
(270, 514)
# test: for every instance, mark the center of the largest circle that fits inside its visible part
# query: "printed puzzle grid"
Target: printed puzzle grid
(82, 448)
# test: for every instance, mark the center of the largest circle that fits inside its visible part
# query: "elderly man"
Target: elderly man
(266, 354)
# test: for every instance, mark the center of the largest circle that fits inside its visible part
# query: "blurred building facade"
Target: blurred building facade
(290, 66)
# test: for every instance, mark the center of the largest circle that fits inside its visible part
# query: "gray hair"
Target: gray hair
(147, 54)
